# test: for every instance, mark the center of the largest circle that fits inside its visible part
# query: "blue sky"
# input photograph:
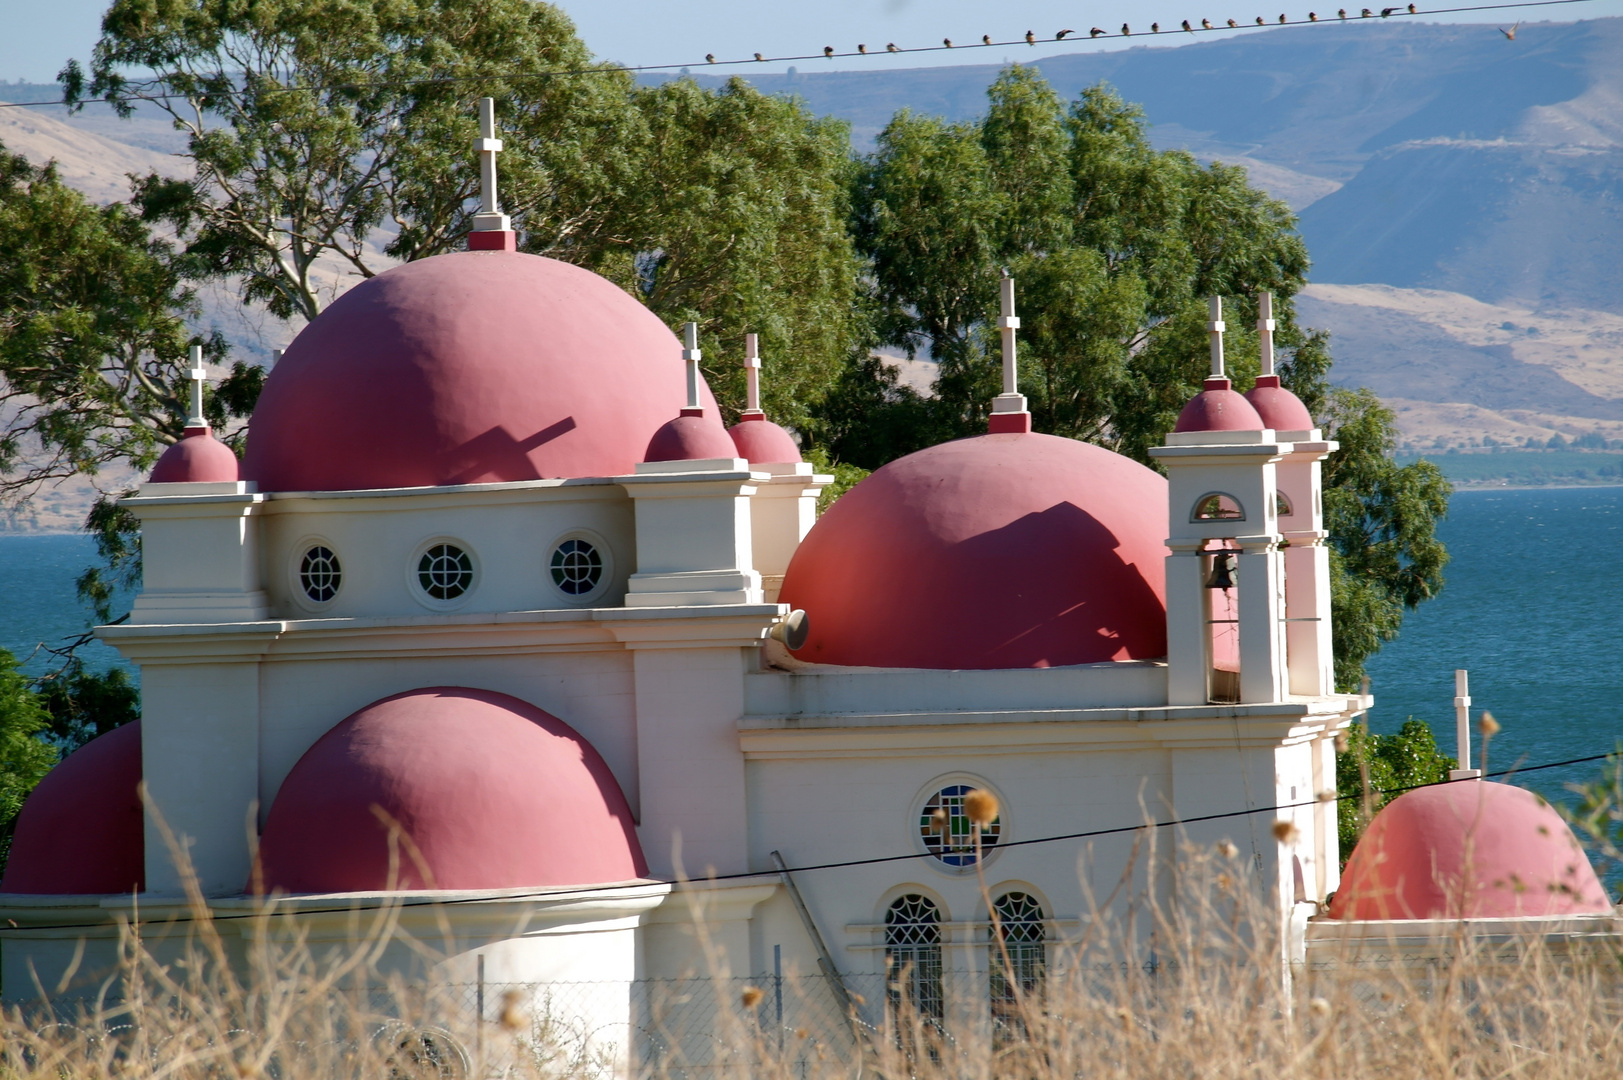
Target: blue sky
(36, 37)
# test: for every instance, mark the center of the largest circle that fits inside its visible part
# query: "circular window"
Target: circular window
(947, 832)
(577, 568)
(319, 574)
(445, 572)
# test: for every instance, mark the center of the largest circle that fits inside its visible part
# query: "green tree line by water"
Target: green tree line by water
(318, 130)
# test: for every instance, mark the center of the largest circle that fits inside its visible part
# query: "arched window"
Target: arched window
(913, 957)
(1282, 505)
(1018, 966)
(1217, 506)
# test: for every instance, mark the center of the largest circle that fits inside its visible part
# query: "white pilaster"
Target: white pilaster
(1307, 565)
(782, 511)
(200, 553)
(694, 533)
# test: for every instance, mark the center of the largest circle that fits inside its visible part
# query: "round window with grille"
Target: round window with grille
(319, 574)
(948, 833)
(577, 567)
(445, 572)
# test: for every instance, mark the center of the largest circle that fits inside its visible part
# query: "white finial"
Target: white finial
(1216, 328)
(752, 375)
(1265, 330)
(276, 357)
(692, 356)
(1462, 726)
(489, 218)
(1011, 400)
(197, 374)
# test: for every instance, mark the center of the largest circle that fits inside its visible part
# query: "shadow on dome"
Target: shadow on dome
(1084, 611)
(496, 456)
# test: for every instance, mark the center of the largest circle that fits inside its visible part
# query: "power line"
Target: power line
(874, 861)
(829, 53)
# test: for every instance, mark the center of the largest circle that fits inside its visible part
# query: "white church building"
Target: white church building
(496, 610)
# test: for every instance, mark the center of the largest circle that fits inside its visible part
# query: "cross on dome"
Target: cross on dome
(492, 229)
(1009, 414)
(197, 375)
(1216, 327)
(1265, 331)
(752, 376)
(691, 355)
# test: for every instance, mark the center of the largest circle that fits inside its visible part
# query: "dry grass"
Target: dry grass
(1146, 993)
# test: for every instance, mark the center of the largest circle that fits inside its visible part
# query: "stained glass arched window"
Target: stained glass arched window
(913, 956)
(1019, 965)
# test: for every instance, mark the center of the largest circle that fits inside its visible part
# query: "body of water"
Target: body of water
(1533, 608)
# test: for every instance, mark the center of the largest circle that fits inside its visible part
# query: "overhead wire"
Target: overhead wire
(829, 53)
(272, 911)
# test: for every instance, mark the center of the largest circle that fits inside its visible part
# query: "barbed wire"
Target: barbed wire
(828, 52)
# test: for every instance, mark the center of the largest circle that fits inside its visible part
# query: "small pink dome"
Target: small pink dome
(1219, 407)
(1412, 860)
(493, 792)
(81, 831)
(999, 551)
(763, 443)
(690, 438)
(198, 458)
(1278, 408)
(467, 368)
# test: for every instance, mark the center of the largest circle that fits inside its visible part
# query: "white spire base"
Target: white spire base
(1008, 403)
(1462, 726)
(491, 223)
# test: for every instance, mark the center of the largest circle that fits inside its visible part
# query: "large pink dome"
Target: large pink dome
(493, 792)
(1468, 849)
(999, 551)
(473, 367)
(81, 831)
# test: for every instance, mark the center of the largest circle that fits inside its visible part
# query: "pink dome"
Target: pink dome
(493, 792)
(690, 438)
(466, 368)
(763, 443)
(1219, 407)
(198, 458)
(999, 551)
(1277, 407)
(81, 831)
(1413, 859)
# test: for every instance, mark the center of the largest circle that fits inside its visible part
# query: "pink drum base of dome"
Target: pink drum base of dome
(198, 458)
(491, 791)
(761, 442)
(999, 551)
(1412, 860)
(467, 368)
(1218, 407)
(690, 438)
(1278, 408)
(82, 831)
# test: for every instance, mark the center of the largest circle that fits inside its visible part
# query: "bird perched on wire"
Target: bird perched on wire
(1205, 24)
(891, 47)
(1062, 34)
(1096, 32)
(863, 49)
(1386, 12)
(710, 58)
(946, 42)
(828, 51)
(1126, 31)
(1259, 20)
(1313, 16)
(1413, 10)
(986, 39)
(1510, 35)
(1283, 20)
(1365, 13)
(1031, 39)
(1155, 28)
(1341, 13)
(1186, 26)
(1232, 24)
(759, 58)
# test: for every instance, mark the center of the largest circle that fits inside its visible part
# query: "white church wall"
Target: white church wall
(509, 530)
(827, 690)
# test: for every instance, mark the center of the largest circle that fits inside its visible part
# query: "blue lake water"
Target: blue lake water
(1533, 608)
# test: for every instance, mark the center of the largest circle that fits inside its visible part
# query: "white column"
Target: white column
(694, 533)
(782, 511)
(198, 375)
(1261, 585)
(752, 375)
(1189, 642)
(487, 145)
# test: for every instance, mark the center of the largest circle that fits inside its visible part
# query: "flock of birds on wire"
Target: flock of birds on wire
(1127, 31)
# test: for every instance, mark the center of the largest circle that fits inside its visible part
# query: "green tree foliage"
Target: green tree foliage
(1597, 818)
(24, 758)
(1115, 246)
(93, 333)
(1371, 770)
(84, 704)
